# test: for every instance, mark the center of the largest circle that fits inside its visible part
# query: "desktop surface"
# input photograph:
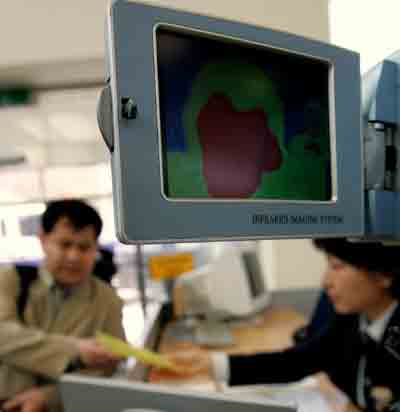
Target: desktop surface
(267, 331)
(270, 330)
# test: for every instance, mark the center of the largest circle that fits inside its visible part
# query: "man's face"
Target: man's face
(353, 290)
(70, 253)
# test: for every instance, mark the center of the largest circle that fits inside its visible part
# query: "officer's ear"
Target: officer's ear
(385, 280)
(394, 285)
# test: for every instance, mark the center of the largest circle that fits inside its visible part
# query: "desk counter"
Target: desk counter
(271, 330)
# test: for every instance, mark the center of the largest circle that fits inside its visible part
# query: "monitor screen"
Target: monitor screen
(241, 121)
(201, 293)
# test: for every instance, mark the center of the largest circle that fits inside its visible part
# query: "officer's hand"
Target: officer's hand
(191, 362)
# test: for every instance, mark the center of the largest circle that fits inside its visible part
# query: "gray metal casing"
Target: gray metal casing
(381, 106)
(105, 395)
(145, 215)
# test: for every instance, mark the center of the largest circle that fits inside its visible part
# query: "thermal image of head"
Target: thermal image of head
(237, 119)
(244, 127)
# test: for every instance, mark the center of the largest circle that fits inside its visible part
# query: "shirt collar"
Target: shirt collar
(377, 327)
(46, 277)
(48, 280)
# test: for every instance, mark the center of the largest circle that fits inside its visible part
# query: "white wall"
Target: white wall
(292, 263)
(48, 30)
(374, 35)
(50, 42)
(306, 17)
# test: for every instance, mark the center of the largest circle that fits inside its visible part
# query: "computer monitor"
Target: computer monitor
(233, 285)
(110, 395)
(221, 130)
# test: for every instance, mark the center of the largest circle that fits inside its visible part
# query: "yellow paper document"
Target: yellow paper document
(125, 350)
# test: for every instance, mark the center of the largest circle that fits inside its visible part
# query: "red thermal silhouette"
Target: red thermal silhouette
(237, 146)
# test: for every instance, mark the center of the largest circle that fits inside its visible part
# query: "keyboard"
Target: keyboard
(212, 333)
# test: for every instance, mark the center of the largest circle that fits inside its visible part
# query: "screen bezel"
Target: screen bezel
(145, 215)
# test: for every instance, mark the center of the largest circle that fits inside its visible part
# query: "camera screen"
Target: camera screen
(241, 121)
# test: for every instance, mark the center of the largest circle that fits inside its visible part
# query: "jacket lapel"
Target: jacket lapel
(74, 310)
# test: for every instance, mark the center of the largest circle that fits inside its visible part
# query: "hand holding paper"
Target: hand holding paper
(125, 350)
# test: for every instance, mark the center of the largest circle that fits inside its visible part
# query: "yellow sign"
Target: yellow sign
(170, 266)
(125, 350)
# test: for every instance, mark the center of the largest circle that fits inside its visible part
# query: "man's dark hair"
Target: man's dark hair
(374, 257)
(78, 213)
